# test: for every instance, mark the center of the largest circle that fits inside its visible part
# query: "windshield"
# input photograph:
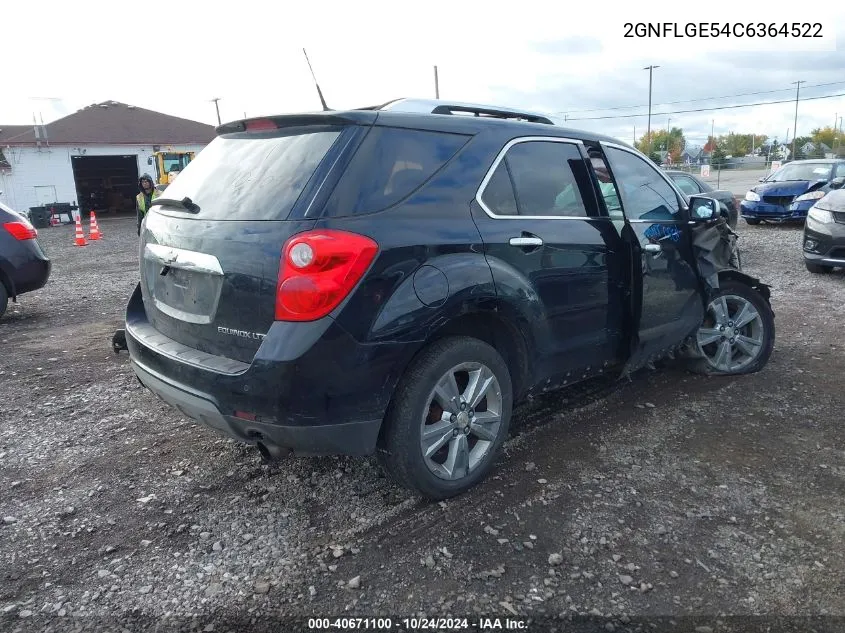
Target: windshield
(802, 171)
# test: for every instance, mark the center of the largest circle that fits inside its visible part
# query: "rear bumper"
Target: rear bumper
(350, 438)
(29, 271)
(311, 387)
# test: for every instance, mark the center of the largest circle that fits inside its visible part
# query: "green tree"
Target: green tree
(741, 144)
(829, 136)
(672, 141)
(655, 158)
(800, 142)
(717, 159)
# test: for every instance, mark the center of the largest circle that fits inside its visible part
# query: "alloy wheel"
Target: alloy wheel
(733, 333)
(462, 421)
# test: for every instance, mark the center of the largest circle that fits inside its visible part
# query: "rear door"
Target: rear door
(211, 245)
(668, 300)
(548, 249)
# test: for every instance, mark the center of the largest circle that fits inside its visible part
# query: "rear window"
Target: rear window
(390, 164)
(252, 177)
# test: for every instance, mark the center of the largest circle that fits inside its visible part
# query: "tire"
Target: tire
(413, 405)
(4, 299)
(818, 269)
(710, 339)
(752, 221)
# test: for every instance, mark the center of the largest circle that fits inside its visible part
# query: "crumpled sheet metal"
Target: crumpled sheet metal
(715, 248)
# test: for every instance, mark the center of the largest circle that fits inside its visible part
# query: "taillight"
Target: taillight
(318, 270)
(21, 230)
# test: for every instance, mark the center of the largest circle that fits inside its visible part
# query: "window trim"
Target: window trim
(579, 144)
(682, 199)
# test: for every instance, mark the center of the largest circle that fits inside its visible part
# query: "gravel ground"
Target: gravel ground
(670, 496)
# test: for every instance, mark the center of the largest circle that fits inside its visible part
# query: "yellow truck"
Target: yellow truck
(168, 165)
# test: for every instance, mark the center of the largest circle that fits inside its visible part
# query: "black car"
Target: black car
(23, 265)
(824, 234)
(694, 186)
(394, 279)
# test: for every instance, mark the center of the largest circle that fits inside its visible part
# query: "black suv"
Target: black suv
(393, 279)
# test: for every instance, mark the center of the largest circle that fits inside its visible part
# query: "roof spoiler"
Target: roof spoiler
(294, 120)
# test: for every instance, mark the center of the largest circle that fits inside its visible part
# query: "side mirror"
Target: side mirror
(703, 209)
(837, 183)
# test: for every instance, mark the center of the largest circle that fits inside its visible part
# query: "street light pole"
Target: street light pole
(795, 125)
(436, 84)
(650, 70)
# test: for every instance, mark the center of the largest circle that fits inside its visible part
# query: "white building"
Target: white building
(92, 158)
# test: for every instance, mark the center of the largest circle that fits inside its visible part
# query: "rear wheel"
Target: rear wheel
(448, 418)
(738, 332)
(818, 269)
(752, 221)
(4, 299)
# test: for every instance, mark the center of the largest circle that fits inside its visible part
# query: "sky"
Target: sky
(551, 57)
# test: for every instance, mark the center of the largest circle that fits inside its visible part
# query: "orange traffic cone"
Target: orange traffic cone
(80, 236)
(94, 233)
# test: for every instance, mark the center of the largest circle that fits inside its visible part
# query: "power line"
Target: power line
(727, 107)
(741, 94)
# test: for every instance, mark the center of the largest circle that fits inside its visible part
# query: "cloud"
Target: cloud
(575, 45)
(551, 58)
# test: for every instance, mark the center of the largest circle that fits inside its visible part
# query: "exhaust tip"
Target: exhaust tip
(272, 453)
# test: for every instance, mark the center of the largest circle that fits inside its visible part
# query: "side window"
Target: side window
(645, 195)
(687, 185)
(548, 178)
(498, 195)
(607, 187)
(388, 166)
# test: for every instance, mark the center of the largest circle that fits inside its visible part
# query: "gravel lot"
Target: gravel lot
(670, 495)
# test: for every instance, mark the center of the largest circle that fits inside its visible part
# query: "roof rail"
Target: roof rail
(429, 106)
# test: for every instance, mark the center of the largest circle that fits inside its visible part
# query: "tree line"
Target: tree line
(671, 144)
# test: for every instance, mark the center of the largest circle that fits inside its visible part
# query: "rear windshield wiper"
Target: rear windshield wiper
(186, 204)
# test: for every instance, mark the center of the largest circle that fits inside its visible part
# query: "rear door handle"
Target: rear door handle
(652, 248)
(526, 241)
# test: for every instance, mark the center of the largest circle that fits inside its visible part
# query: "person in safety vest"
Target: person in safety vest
(144, 198)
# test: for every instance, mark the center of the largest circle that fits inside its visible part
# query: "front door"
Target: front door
(549, 251)
(670, 304)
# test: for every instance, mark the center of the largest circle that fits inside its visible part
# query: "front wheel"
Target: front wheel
(752, 221)
(738, 332)
(448, 418)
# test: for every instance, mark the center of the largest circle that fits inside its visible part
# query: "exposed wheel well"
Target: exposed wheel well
(499, 334)
(748, 280)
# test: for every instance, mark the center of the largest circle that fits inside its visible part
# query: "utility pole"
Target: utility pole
(217, 107)
(795, 125)
(712, 141)
(436, 84)
(635, 135)
(650, 70)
